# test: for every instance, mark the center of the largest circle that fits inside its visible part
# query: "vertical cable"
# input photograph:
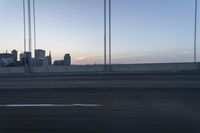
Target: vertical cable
(110, 39)
(105, 39)
(195, 32)
(29, 22)
(24, 17)
(34, 21)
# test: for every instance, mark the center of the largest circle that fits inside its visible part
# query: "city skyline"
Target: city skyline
(27, 59)
(143, 31)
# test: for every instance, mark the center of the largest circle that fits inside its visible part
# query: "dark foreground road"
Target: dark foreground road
(148, 103)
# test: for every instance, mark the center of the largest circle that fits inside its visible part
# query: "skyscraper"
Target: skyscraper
(39, 57)
(22, 59)
(39, 54)
(14, 53)
(67, 59)
(48, 60)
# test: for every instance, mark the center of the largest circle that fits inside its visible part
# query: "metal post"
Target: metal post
(195, 32)
(110, 39)
(105, 39)
(29, 25)
(34, 21)
(24, 17)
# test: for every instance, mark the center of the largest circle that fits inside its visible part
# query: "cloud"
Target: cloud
(130, 56)
(88, 60)
(187, 52)
(136, 58)
(82, 58)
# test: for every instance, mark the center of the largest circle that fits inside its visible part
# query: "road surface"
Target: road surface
(135, 103)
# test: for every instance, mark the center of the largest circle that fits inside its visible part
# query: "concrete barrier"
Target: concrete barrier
(68, 69)
(158, 67)
(12, 70)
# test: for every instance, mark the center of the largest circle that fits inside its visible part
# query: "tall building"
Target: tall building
(21, 56)
(39, 57)
(14, 53)
(25, 59)
(40, 54)
(67, 60)
(48, 60)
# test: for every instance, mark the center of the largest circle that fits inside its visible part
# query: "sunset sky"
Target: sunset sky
(143, 31)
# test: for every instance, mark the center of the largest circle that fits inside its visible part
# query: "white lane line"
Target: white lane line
(50, 105)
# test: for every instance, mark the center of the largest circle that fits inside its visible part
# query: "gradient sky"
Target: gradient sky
(143, 31)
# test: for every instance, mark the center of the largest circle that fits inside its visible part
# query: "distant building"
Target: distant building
(6, 59)
(26, 59)
(39, 62)
(21, 56)
(67, 60)
(48, 60)
(39, 57)
(14, 53)
(58, 63)
(40, 54)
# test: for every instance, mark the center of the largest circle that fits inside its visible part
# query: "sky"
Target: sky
(143, 31)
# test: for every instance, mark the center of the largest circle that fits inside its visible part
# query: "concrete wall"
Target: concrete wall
(68, 69)
(167, 67)
(172, 67)
(12, 70)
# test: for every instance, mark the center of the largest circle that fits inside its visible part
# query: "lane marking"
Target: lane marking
(50, 105)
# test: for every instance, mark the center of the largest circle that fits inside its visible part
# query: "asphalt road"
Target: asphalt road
(137, 103)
